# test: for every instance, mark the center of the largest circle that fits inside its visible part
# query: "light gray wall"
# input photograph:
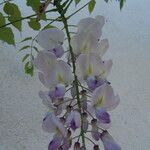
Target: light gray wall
(21, 110)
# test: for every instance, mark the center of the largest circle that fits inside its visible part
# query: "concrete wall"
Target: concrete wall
(21, 110)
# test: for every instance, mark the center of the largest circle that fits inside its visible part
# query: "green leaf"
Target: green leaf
(91, 5)
(48, 27)
(34, 24)
(29, 68)
(13, 14)
(24, 47)
(35, 4)
(35, 48)
(25, 57)
(2, 19)
(77, 1)
(7, 35)
(122, 4)
(26, 39)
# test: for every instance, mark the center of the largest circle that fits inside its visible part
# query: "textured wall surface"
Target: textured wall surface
(21, 110)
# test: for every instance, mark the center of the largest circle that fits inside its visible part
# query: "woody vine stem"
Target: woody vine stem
(64, 20)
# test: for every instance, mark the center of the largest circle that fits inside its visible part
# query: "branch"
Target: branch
(26, 18)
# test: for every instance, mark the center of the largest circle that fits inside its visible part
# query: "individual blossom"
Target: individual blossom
(103, 100)
(74, 120)
(92, 70)
(55, 143)
(53, 125)
(108, 142)
(51, 40)
(53, 106)
(88, 36)
(94, 131)
(54, 74)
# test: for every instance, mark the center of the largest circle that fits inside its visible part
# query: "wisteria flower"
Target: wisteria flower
(108, 142)
(74, 120)
(88, 36)
(53, 125)
(103, 100)
(51, 40)
(92, 69)
(54, 74)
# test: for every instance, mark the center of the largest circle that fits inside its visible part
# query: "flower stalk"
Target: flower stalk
(64, 20)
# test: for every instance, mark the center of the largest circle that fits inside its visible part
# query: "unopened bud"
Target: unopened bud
(96, 147)
(76, 146)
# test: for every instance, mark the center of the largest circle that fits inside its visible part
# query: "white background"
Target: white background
(128, 31)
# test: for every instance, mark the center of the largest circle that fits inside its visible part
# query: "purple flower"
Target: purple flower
(74, 120)
(103, 116)
(55, 143)
(108, 142)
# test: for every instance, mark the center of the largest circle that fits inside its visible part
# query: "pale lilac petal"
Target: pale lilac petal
(89, 65)
(47, 101)
(103, 97)
(108, 142)
(74, 120)
(103, 116)
(94, 82)
(45, 61)
(55, 143)
(58, 51)
(64, 73)
(101, 20)
(91, 25)
(60, 126)
(107, 67)
(58, 91)
(103, 46)
(50, 38)
(48, 124)
(84, 43)
(50, 84)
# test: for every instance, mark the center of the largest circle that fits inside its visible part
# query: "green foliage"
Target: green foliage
(14, 14)
(34, 4)
(29, 68)
(7, 35)
(25, 57)
(24, 47)
(34, 24)
(48, 27)
(26, 39)
(91, 5)
(121, 3)
(2, 19)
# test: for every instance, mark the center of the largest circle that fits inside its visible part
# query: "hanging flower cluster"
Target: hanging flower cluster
(73, 114)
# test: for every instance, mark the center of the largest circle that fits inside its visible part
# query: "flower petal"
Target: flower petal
(58, 51)
(84, 43)
(108, 142)
(47, 101)
(64, 73)
(50, 38)
(89, 65)
(103, 46)
(91, 25)
(103, 97)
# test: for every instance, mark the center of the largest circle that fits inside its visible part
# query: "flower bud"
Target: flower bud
(96, 147)
(109, 142)
(83, 99)
(94, 130)
(76, 146)
(85, 122)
